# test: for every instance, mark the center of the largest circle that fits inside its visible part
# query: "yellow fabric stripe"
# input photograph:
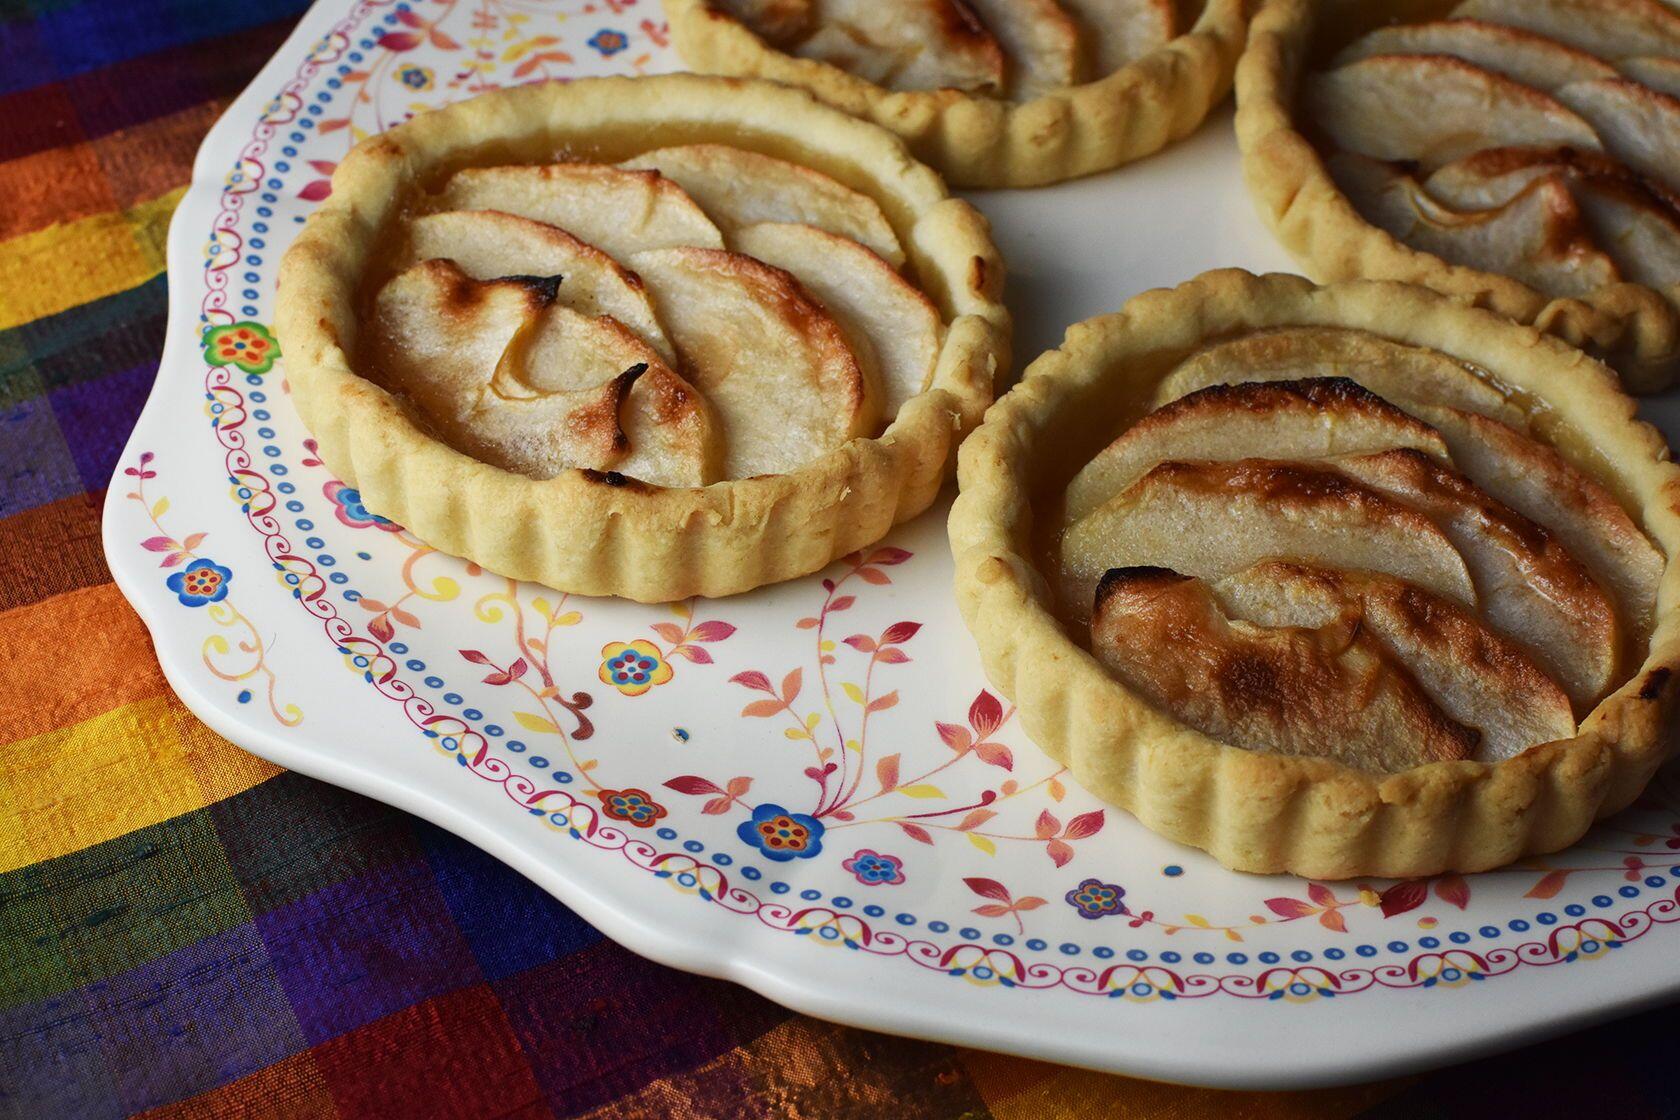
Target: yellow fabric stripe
(54, 269)
(83, 784)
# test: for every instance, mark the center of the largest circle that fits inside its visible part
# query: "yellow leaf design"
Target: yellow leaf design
(812, 720)
(532, 722)
(1198, 921)
(160, 508)
(541, 606)
(570, 618)
(983, 843)
(795, 733)
(923, 790)
(854, 745)
(853, 691)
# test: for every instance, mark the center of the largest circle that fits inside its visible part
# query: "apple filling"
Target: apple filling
(1322, 542)
(694, 314)
(1539, 139)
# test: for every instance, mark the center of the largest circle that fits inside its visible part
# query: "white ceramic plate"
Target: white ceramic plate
(941, 878)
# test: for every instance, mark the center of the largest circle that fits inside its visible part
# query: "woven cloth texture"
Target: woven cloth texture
(186, 930)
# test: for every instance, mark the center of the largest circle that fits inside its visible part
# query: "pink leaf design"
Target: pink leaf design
(713, 631)
(988, 888)
(694, 654)
(975, 819)
(1453, 890)
(193, 541)
(377, 607)
(992, 910)
(807, 623)
(1290, 907)
(1047, 825)
(891, 655)
(159, 544)
(874, 575)
(1549, 885)
(1059, 851)
(405, 617)
(738, 786)
(444, 42)
(398, 41)
(862, 643)
(886, 772)
(324, 166)
(985, 715)
(955, 737)
(472, 655)
(670, 631)
(1321, 894)
(900, 632)
(412, 19)
(790, 685)
(1085, 824)
(316, 191)
(335, 124)
(1332, 919)
(915, 831)
(514, 672)
(762, 709)
(996, 754)
(1031, 902)
(882, 703)
(172, 559)
(753, 679)
(717, 805)
(842, 603)
(1402, 897)
(692, 784)
(888, 556)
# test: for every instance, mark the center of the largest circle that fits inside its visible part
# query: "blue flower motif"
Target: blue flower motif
(609, 42)
(1096, 899)
(417, 78)
(351, 511)
(201, 582)
(875, 869)
(782, 835)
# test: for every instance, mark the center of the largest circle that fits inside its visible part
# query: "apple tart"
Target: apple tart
(994, 93)
(1339, 581)
(1522, 153)
(642, 337)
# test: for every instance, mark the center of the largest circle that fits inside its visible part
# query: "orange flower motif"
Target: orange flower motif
(245, 344)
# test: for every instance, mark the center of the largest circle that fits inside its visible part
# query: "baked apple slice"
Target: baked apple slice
(1040, 42)
(1478, 677)
(619, 212)
(1122, 31)
(1432, 109)
(738, 188)
(908, 44)
(1637, 125)
(1534, 60)
(1333, 691)
(488, 244)
(1211, 519)
(1660, 74)
(1608, 28)
(1539, 237)
(1528, 585)
(778, 370)
(779, 21)
(1311, 419)
(894, 328)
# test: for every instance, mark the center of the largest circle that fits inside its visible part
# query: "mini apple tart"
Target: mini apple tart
(649, 337)
(994, 93)
(1523, 153)
(1339, 581)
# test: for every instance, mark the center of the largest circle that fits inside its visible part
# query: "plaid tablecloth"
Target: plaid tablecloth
(185, 930)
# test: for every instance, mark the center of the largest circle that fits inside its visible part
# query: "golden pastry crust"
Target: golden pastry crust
(984, 141)
(601, 533)
(1269, 813)
(1633, 327)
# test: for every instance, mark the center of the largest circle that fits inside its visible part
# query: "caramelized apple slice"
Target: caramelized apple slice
(1638, 125)
(1432, 109)
(1312, 419)
(1333, 691)
(1213, 519)
(1539, 237)
(1478, 678)
(893, 327)
(487, 244)
(775, 366)
(1608, 28)
(1528, 585)
(1523, 56)
(1660, 74)
(1123, 31)
(738, 188)
(619, 212)
(779, 21)
(909, 44)
(1040, 44)
(1400, 374)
